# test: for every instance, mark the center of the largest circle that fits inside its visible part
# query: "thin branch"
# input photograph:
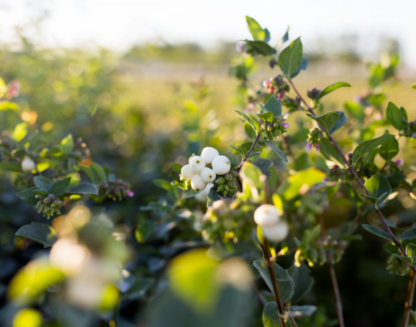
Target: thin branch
(250, 150)
(337, 294)
(260, 296)
(276, 292)
(409, 300)
(360, 182)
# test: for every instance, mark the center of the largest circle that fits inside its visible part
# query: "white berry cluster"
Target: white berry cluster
(203, 170)
(273, 228)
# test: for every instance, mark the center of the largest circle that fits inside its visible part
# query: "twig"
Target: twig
(280, 307)
(357, 178)
(409, 300)
(259, 295)
(250, 150)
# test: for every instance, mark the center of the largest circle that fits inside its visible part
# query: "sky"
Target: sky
(118, 24)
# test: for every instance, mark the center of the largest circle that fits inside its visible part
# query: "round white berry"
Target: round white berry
(208, 154)
(221, 165)
(28, 165)
(186, 172)
(276, 232)
(197, 183)
(266, 215)
(208, 175)
(197, 164)
(203, 195)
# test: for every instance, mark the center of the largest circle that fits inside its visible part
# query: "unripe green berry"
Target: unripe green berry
(229, 177)
(220, 180)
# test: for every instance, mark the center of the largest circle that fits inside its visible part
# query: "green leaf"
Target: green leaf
(139, 288)
(389, 149)
(394, 116)
(284, 281)
(84, 188)
(29, 195)
(377, 231)
(11, 166)
(95, 172)
(267, 117)
(300, 311)
(249, 130)
(330, 121)
(355, 110)
(370, 145)
(257, 32)
(290, 58)
(20, 131)
(332, 88)
(348, 237)
(162, 183)
(273, 105)
(303, 66)
(259, 47)
(303, 282)
(67, 144)
(94, 110)
(249, 119)
(212, 197)
(378, 187)
(270, 315)
(409, 234)
(60, 186)
(38, 232)
(43, 183)
(411, 251)
(144, 230)
(302, 162)
(303, 179)
(276, 150)
(329, 152)
(395, 179)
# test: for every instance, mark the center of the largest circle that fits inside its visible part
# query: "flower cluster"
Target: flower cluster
(80, 151)
(275, 129)
(13, 89)
(113, 189)
(49, 205)
(313, 140)
(334, 174)
(292, 104)
(277, 84)
(396, 265)
(205, 170)
(267, 217)
(326, 245)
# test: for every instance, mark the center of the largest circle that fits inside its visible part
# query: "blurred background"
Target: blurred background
(158, 71)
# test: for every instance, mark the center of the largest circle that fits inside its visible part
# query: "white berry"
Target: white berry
(208, 154)
(208, 175)
(203, 195)
(266, 215)
(186, 172)
(276, 232)
(221, 165)
(197, 183)
(28, 165)
(197, 164)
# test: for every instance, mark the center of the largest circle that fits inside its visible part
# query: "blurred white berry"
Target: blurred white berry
(203, 195)
(28, 165)
(186, 172)
(266, 215)
(276, 232)
(208, 154)
(208, 175)
(190, 158)
(197, 164)
(221, 165)
(197, 183)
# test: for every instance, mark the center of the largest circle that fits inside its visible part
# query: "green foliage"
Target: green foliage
(378, 187)
(290, 58)
(332, 88)
(367, 146)
(330, 121)
(378, 232)
(38, 232)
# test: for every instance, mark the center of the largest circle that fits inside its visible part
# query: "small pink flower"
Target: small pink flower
(280, 96)
(250, 107)
(129, 193)
(240, 47)
(267, 83)
(326, 179)
(308, 147)
(317, 147)
(378, 116)
(399, 162)
(272, 90)
(286, 125)
(15, 84)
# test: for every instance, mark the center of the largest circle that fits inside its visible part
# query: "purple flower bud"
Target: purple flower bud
(326, 179)
(280, 96)
(308, 147)
(240, 47)
(129, 193)
(399, 162)
(317, 147)
(286, 125)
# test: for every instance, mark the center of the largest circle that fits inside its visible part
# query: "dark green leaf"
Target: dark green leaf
(270, 315)
(329, 152)
(249, 130)
(249, 119)
(330, 121)
(378, 187)
(389, 149)
(395, 179)
(300, 311)
(11, 166)
(303, 282)
(370, 145)
(394, 116)
(290, 58)
(378, 232)
(67, 144)
(348, 237)
(276, 150)
(259, 47)
(284, 281)
(84, 188)
(166, 185)
(38, 232)
(29, 195)
(96, 173)
(43, 183)
(144, 230)
(61, 186)
(139, 288)
(273, 105)
(267, 117)
(302, 161)
(212, 197)
(332, 88)
(409, 234)
(303, 66)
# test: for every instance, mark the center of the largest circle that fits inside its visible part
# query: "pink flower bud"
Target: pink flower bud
(286, 125)
(272, 90)
(280, 96)
(308, 147)
(240, 47)
(267, 83)
(317, 147)
(399, 162)
(129, 193)
(378, 116)
(326, 179)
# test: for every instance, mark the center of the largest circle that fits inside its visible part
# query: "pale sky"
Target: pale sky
(119, 23)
